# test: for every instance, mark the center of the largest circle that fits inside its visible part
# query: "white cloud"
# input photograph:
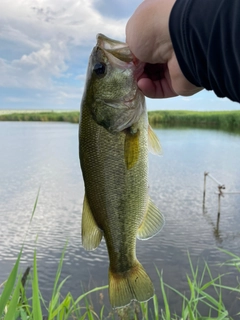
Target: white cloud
(64, 97)
(17, 36)
(17, 100)
(48, 41)
(44, 48)
(75, 21)
(36, 69)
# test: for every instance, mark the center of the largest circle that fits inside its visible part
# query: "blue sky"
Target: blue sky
(44, 49)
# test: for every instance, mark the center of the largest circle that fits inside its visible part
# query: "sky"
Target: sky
(44, 51)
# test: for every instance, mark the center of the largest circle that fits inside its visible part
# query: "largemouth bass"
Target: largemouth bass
(114, 137)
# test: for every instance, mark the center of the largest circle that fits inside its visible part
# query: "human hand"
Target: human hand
(148, 36)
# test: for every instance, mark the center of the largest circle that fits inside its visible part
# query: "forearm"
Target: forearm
(205, 37)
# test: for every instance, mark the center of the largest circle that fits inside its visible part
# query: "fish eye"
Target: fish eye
(99, 68)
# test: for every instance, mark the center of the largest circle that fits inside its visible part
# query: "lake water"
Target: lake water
(45, 156)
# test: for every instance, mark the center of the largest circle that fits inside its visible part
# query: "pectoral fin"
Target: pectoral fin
(152, 222)
(91, 234)
(154, 145)
(131, 149)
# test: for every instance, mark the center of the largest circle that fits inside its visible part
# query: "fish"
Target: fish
(114, 140)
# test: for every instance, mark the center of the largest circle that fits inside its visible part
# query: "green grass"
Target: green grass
(71, 116)
(206, 119)
(227, 120)
(15, 305)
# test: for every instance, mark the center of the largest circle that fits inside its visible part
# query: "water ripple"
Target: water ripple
(175, 185)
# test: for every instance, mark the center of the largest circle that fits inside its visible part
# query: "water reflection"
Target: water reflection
(215, 226)
(45, 155)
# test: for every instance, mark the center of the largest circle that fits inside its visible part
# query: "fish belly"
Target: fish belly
(117, 198)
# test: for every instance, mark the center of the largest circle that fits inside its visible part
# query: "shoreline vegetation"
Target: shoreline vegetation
(204, 290)
(226, 120)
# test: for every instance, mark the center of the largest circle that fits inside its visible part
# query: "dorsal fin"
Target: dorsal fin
(154, 145)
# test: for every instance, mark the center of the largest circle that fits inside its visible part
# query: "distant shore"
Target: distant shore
(228, 120)
(40, 115)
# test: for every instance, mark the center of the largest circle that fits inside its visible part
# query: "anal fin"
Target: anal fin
(152, 223)
(91, 234)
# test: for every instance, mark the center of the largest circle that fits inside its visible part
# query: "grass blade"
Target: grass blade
(37, 311)
(12, 308)
(35, 206)
(166, 305)
(155, 305)
(8, 288)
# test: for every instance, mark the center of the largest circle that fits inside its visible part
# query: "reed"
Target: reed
(206, 119)
(71, 116)
(227, 120)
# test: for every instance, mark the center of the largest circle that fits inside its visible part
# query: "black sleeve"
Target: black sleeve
(206, 39)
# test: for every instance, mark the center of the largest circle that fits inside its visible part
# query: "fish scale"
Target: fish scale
(113, 146)
(110, 187)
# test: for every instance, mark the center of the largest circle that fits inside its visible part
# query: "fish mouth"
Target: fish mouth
(131, 103)
(118, 49)
(119, 54)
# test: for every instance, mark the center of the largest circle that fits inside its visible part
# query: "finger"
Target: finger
(156, 89)
(155, 81)
(154, 71)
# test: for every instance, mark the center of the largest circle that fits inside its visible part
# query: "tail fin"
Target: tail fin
(133, 284)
